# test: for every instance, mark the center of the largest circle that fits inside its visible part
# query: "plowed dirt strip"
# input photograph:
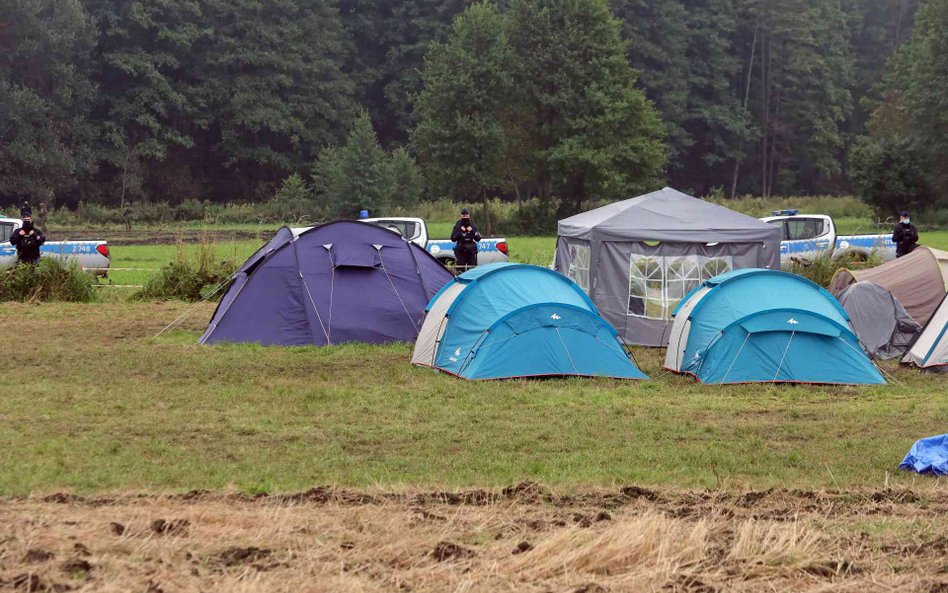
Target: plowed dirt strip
(523, 538)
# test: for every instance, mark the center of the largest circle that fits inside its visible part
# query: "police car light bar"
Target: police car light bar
(789, 212)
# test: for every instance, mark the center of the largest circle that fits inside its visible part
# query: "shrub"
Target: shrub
(821, 269)
(152, 212)
(190, 209)
(889, 174)
(90, 212)
(189, 280)
(49, 280)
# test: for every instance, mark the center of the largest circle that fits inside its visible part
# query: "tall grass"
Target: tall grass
(821, 269)
(49, 280)
(835, 206)
(189, 279)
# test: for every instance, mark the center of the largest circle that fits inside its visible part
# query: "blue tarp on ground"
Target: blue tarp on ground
(928, 456)
(756, 325)
(344, 281)
(515, 320)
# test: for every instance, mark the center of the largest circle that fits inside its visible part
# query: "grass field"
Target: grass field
(346, 469)
(96, 403)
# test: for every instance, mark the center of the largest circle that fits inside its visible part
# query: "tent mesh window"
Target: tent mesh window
(657, 283)
(578, 270)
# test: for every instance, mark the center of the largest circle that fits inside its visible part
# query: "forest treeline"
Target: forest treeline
(368, 103)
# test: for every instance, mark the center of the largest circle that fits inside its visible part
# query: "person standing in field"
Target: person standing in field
(27, 240)
(42, 216)
(905, 235)
(465, 236)
(127, 215)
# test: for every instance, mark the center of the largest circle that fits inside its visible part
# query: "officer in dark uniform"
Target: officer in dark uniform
(905, 235)
(465, 236)
(27, 239)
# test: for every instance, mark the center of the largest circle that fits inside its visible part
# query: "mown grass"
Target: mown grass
(94, 402)
(149, 258)
(533, 250)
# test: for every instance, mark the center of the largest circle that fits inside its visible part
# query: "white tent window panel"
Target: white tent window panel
(646, 286)
(579, 257)
(714, 266)
(657, 283)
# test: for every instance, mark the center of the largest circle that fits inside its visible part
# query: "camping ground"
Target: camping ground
(622, 486)
(136, 462)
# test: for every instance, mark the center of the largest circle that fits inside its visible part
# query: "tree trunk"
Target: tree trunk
(773, 167)
(766, 59)
(747, 90)
(128, 152)
(516, 187)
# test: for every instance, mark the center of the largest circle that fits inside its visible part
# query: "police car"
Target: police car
(808, 236)
(489, 250)
(90, 255)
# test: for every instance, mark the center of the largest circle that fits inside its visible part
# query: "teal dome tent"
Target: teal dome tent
(513, 320)
(766, 326)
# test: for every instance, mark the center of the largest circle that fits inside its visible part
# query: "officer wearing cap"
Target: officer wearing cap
(465, 236)
(27, 239)
(905, 235)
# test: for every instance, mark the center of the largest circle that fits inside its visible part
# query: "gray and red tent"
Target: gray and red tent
(343, 281)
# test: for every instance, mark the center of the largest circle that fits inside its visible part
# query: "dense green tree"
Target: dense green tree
(798, 72)
(45, 97)
(146, 74)
(593, 134)
(657, 45)
(407, 183)
(917, 93)
(889, 173)
(905, 161)
(272, 83)
(461, 134)
(390, 39)
(685, 52)
(218, 97)
(356, 175)
(877, 31)
(221, 99)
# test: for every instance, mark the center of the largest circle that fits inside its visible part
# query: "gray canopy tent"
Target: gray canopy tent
(638, 258)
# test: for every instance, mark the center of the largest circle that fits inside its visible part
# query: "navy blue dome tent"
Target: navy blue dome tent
(507, 320)
(343, 281)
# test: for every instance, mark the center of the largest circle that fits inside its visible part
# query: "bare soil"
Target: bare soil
(523, 538)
